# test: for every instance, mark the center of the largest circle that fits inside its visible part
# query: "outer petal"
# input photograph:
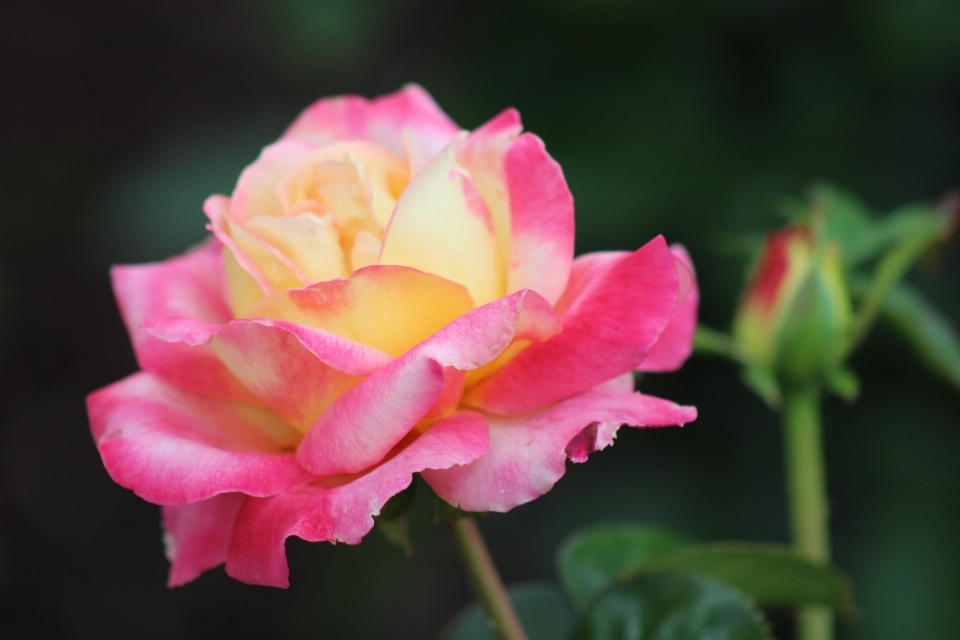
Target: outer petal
(613, 312)
(381, 121)
(367, 421)
(197, 535)
(174, 447)
(442, 225)
(341, 509)
(192, 286)
(528, 198)
(675, 344)
(527, 453)
(297, 371)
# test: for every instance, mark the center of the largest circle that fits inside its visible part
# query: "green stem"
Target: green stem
(806, 484)
(485, 580)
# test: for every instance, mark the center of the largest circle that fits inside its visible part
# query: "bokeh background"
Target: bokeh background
(678, 117)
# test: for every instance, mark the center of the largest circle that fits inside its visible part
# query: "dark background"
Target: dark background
(676, 117)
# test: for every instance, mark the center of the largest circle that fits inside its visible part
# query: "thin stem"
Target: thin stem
(806, 485)
(485, 580)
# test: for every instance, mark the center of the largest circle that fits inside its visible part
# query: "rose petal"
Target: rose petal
(387, 307)
(341, 510)
(675, 344)
(197, 535)
(367, 421)
(441, 225)
(541, 210)
(192, 286)
(256, 190)
(614, 310)
(174, 447)
(297, 371)
(529, 202)
(381, 121)
(527, 453)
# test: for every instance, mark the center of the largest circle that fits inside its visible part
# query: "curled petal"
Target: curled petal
(382, 121)
(174, 447)
(190, 286)
(295, 370)
(442, 225)
(342, 509)
(527, 453)
(371, 418)
(197, 535)
(529, 202)
(675, 344)
(613, 311)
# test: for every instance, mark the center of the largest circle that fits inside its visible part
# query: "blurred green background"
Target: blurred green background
(684, 118)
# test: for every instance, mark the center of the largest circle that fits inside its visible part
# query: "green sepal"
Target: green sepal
(392, 521)
(844, 383)
(543, 609)
(397, 533)
(762, 382)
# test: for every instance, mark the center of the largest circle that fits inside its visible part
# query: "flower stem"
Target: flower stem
(806, 484)
(485, 579)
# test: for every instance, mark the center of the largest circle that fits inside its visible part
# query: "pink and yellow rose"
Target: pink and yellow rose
(384, 295)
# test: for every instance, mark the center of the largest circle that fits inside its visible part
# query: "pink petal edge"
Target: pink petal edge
(527, 453)
(343, 512)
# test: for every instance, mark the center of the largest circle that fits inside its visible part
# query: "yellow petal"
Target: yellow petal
(441, 225)
(386, 307)
(244, 290)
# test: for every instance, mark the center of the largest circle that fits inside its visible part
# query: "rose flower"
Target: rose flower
(384, 295)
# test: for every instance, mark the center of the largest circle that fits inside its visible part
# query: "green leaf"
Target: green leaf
(891, 269)
(590, 560)
(931, 336)
(771, 575)
(672, 606)
(544, 611)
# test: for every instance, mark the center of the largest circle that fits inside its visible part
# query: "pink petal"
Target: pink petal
(295, 370)
(191, 286)
(613, 311)
(197, 535)
(381, 121)
(675, 344)
(367, 421)
(527, 453)
(174, 447)
(541, 208)
(528, 198)
(342, 509)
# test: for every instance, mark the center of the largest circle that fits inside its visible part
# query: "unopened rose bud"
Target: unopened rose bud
(795, 315)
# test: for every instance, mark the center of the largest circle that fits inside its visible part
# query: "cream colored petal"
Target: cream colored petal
(441, 225)
(366, 250)
(279, 274)
(244, 290)
(310, 242)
